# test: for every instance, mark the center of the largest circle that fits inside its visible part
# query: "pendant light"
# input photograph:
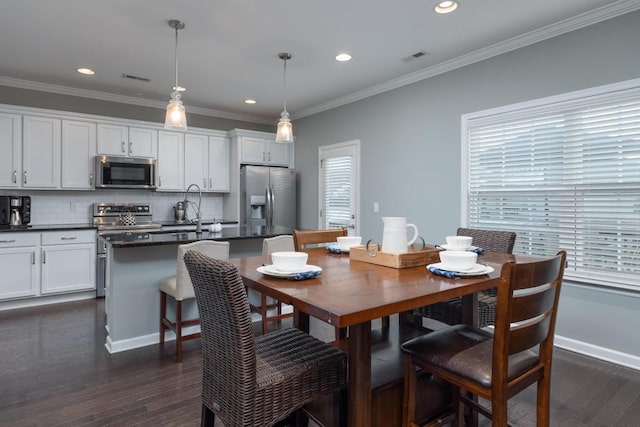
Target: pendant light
(176, 118)
(285, 129)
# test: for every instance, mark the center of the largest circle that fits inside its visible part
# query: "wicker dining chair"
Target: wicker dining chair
(495, 366)
(255, 381)
(450, 311)
(270, 245)
(179, 287)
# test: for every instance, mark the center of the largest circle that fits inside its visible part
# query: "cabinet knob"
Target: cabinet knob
(24, 179)
(210, 182)
(130, 147)
(44, 257)
(91, 180)
(15, 177)
(122, 148)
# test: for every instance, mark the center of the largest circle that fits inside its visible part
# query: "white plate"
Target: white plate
(476, 270)
(270, 270)
(447, 247)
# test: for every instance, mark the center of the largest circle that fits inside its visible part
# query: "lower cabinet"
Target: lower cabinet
(39, 264)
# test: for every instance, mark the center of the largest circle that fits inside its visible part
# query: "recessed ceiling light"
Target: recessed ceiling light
(446, 6)
(343, 57)
(249, 101)
(86, 71)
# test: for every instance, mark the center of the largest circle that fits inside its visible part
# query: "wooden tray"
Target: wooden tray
(413, 258)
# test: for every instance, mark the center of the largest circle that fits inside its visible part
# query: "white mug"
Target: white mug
(394, 235)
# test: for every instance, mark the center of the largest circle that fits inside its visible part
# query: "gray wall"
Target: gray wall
(411, 152)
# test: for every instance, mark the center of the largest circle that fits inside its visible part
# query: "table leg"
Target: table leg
(359, 401)
(470, 309)
(301, 320)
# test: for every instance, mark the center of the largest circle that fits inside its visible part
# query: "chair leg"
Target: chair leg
(163, 314)
(208, 418)
(544, 393)
(499, 412)
(458, 407)
(409, 393)
(264, 309)
(179, 330)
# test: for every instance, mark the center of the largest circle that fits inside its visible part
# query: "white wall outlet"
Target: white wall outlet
(376, 207)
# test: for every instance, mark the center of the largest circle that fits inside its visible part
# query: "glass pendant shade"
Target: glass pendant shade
(176, 118)
(285, 128)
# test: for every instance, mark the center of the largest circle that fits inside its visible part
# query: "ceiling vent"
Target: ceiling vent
(416, 55)
(132, 77)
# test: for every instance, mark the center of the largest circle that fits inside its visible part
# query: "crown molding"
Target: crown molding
(574, 23)
(103, 96)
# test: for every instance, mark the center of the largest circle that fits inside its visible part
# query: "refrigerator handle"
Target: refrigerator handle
(271, 207)
(267, 205)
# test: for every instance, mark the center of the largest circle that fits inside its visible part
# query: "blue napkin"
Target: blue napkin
(446, 273)
(477, 250)
(334, 249)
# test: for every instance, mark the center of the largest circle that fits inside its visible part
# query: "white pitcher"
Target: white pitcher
(394, 235)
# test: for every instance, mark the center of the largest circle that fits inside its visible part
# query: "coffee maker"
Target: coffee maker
(15, 211)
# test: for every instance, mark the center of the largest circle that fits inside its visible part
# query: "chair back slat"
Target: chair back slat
(228, 346)
(301, 238)
(527, 336)
(528, 306)
(490, 240)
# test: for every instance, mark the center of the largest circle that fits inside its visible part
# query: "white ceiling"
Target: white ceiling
(228, 50)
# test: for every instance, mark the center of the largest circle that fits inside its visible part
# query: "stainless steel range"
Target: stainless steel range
(119, 221)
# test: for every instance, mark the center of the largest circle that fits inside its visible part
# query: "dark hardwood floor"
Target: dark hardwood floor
(55, 371)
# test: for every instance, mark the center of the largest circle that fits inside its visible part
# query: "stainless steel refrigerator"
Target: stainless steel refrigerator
(268, 196)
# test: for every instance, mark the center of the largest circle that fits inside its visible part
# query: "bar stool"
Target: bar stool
(180, 288)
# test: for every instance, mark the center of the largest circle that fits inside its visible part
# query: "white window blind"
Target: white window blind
(338, 190)
(563, 175)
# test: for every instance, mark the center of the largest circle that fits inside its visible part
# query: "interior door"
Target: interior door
(339, 182)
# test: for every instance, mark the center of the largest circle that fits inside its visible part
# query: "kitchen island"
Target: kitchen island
(134, 266)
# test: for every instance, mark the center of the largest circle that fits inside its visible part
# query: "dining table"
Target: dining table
(351, 294)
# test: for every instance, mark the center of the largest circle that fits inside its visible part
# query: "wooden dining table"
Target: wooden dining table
(350, 294)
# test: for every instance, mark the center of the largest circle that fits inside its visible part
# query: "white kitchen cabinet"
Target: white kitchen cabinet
(127, 141)
(219, 155)
(41, 147)
(264, 151)
(78, 152)
(206, 162)
(20, 265)
(68, 261)
(11, 149)
(170, 161)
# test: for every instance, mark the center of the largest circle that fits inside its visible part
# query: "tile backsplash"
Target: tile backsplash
(76, 207)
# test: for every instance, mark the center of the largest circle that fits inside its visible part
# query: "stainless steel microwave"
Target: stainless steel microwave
(125, 172)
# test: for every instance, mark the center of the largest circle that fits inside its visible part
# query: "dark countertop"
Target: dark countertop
(89, 226)
(171, 237)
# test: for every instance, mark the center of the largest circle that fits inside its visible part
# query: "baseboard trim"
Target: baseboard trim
(602, 353)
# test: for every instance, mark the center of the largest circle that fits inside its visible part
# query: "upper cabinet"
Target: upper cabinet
(170, 161)
(11, 149)
(126, 141)
(41, 149)
(78, 151)
(264, 151)
(206, 162)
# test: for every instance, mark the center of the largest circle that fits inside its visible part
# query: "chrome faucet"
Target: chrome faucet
(199, 214)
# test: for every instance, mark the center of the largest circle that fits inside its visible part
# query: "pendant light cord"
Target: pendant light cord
(284, 84)
(175, 88)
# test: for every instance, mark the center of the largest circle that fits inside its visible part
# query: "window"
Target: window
(563, 173)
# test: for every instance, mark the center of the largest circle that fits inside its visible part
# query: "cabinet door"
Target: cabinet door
(41, 152)
(20, 272)
(279, 153)
(170, 161)
(78, 152)
(196, 160)
(68, 268)
(11, 149)
(143, 142)
(253, 150)
(113, 139)
(219, 152)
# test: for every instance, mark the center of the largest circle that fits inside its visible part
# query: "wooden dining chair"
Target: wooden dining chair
(179, 287)
(303, 238)
(495, 366)
(450, 311)
(255, 381)
(270, 245)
